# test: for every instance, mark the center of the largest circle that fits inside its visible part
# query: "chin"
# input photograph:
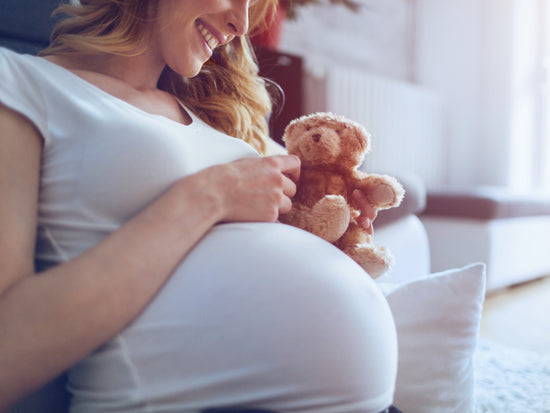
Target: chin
(190, 70)
(194, 73)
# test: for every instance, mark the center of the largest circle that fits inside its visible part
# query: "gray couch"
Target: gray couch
(25, 25)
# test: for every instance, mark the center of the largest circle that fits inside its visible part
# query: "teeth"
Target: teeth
(210, 39)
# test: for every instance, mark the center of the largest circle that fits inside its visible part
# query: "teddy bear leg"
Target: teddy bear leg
(358, 244)
(297, 216)
(374, 260)
(330, 217)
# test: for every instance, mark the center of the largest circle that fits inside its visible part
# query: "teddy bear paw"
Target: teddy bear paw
(374, 260)
(384, 195)
(330, 217)
(387, 192)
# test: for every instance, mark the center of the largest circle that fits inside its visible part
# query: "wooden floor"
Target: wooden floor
(519, 316)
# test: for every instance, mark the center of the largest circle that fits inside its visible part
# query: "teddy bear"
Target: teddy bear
(331, 147)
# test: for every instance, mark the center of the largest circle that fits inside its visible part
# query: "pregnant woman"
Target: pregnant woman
(140, 247)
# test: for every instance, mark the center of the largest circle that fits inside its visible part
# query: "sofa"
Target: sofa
(508, 230)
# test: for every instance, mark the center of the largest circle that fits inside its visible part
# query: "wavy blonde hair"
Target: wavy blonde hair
(228, 93)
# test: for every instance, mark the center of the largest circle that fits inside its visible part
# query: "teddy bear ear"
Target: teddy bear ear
(364, 139)
(289, 129)
(287, 132)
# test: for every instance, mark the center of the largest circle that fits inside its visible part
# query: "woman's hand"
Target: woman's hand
(253, 189)
(367, 212)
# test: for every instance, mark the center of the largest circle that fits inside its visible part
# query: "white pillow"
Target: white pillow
(437, 319)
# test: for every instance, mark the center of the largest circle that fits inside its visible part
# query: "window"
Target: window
(530, 114)
(544, 110)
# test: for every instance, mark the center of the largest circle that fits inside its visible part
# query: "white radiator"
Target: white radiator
(406, 121)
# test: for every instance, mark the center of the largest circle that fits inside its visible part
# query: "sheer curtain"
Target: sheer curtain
(545, 100)
(530, 115)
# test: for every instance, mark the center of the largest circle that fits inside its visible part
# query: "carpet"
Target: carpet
(510, 380)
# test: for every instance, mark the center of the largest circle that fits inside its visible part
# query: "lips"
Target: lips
(211, 40)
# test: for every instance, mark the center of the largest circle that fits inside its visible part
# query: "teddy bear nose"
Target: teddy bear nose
(316, 137)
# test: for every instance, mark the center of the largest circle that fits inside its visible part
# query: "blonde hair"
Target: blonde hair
(228, 93)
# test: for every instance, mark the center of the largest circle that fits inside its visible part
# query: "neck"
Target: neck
(141, 72)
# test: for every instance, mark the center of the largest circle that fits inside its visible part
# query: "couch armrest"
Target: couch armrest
(414, 201)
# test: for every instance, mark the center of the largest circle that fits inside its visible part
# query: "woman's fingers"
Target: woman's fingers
(367, 212)
(289, 187)
(286, 167)
(290, 166)
(286, 205)
(256, 189)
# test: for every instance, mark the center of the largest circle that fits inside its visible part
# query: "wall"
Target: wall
(526, 163)
(479, 56)
(360, 65)
(484, 58)
(376, 39)
(449, 60)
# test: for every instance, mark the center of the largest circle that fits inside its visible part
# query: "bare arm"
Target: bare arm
(50, 321)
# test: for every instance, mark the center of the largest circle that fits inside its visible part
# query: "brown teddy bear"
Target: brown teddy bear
(331, 148)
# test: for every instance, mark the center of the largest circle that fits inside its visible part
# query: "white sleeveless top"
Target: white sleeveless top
(257, 314)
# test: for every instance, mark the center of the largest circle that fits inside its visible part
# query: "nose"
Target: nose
(237, 18)
(316, 137)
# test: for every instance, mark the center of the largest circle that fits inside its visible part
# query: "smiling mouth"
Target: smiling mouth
(210, 39)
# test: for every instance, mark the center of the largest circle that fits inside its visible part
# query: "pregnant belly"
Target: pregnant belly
(256, 314)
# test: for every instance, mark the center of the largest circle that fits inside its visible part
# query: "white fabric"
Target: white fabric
(437, 319)
(247, 323)
(257, 314)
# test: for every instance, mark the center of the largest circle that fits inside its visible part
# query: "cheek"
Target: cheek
(174, 27)
(182, 52)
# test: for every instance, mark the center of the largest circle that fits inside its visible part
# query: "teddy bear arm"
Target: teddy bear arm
(383, 191)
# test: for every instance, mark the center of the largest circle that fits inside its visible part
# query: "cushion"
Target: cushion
(25, 25)
(27, 19)
(437, 319)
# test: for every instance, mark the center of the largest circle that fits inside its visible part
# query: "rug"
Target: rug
(510, 380)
